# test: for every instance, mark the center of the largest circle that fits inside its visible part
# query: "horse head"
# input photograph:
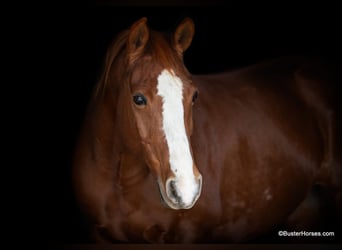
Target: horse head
(154, 106)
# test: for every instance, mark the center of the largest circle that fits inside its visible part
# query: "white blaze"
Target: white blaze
(170, 88)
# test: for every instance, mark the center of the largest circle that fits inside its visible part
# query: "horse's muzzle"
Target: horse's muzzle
(181, 193)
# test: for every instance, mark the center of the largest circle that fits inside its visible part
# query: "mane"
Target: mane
(112, 53)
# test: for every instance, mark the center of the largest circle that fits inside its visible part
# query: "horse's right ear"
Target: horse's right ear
(137, 39)
(183, 35)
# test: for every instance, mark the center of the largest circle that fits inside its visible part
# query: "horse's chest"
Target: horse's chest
(148, 220)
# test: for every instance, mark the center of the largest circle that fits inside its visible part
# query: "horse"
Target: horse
(165, 156)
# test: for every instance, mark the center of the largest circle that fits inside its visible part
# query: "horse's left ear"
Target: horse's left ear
(183, 35)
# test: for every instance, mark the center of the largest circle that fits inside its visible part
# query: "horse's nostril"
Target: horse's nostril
(172, 189)
(173, 192)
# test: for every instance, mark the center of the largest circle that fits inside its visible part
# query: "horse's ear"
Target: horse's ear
(137, 38)
(183, 35)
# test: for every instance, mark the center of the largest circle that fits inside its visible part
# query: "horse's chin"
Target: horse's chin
(166, 201)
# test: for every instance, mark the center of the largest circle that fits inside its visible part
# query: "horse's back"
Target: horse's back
(263, 95)
(263, 123)
(303, 92)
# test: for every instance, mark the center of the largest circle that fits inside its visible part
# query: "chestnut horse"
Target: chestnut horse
(166, 156)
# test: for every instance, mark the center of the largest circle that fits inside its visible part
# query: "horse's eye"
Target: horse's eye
(195, 96)
(139, 99)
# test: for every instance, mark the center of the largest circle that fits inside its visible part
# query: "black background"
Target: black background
(69, 44)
